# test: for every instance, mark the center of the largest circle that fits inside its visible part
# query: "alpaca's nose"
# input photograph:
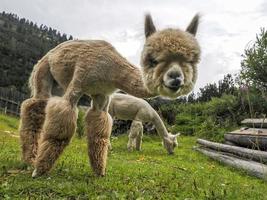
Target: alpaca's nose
(175, 80)
(176, 83)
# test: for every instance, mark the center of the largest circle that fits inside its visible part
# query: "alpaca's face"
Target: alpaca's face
(169, 60)
(170, 143)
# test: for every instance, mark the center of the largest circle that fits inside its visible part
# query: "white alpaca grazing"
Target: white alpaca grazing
(126, 107)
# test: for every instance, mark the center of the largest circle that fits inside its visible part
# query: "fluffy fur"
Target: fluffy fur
(168, 55)
(99, 123)
(32, 119)
(95, 68)
(127, 107)
(59, 126)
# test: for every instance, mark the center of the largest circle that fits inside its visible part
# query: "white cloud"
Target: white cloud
(226, 28)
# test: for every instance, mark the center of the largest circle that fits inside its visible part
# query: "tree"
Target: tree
(70, 37)
(191, 98)
(254, 63)
(207, 92)
(226, 85)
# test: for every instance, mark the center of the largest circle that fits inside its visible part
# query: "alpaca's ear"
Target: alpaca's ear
(192, 27)
(177, 135)
(149, 26)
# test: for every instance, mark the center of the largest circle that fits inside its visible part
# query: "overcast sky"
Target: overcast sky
(227, 26)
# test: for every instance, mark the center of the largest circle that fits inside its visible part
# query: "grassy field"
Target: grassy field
(149, 174)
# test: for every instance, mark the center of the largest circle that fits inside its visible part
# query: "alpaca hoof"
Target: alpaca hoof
(109, 147)
(102, 175)
(35, 173)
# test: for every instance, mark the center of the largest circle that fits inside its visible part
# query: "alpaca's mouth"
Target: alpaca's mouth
(169, 92)
(172, 88)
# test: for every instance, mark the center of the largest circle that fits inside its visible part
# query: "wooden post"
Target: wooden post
(249, 141)
(260, 156)
(253, 168)
(18, 111)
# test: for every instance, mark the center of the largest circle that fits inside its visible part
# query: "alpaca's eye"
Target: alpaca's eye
(152, 62)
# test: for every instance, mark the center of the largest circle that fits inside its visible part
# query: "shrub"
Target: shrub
(222, 106)
(209, 129)
(209, 119)
(187, 124)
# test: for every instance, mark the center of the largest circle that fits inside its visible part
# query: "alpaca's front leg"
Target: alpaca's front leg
(32, 118)
(135, 138)
(138, 141)
(59, 126)
(98, 127)
(131, 145)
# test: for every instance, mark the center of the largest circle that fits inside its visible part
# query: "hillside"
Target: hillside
(22, 44)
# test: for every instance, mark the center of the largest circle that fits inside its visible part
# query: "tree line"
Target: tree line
(22, 44)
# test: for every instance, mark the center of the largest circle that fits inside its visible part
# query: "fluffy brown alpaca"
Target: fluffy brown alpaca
(95, 68)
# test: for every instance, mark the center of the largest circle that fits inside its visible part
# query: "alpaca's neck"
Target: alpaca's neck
(129, 79)
(159, 125)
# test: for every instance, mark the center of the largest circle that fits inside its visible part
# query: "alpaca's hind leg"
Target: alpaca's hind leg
(58, 128)
(32, 118)
(133, 135)
(98, 127)
(138, 140)
(33, 110)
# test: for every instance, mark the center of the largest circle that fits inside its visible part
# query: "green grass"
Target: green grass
(149, 174)
(8, 123)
